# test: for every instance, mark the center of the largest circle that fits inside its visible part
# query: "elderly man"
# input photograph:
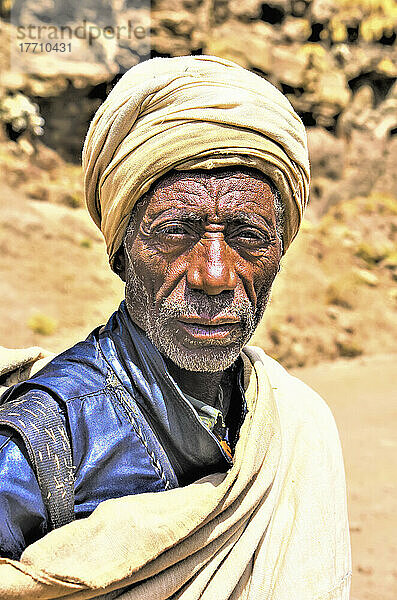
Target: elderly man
(196, 172)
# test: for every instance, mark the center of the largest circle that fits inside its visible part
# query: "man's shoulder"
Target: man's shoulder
(307, 426)
(79, 370)
(293, 396)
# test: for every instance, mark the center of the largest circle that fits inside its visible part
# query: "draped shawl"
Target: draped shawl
(274, 527)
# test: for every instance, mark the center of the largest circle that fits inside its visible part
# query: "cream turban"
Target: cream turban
(190, 112)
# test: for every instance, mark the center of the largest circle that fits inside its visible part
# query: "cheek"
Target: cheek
(269, 270)
(173, 281)
(160, 272)
(145, 264)
(258, 276)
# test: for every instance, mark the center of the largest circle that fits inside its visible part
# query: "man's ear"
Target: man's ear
(119, 263)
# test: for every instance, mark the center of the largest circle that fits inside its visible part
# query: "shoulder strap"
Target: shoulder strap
(36, 419)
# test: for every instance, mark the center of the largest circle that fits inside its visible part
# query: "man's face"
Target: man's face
(200, 257)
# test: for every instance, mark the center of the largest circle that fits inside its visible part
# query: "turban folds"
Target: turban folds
(190, 112)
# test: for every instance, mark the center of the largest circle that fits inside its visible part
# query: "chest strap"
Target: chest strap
(35, 418)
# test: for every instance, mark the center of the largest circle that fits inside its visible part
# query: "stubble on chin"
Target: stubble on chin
(159, 326)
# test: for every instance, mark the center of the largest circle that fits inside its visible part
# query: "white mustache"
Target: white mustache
(208, 309)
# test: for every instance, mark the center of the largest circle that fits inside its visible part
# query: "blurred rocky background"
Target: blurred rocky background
(336, 60)
(336, 296)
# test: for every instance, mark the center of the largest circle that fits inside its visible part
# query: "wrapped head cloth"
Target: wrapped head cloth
(190, 112)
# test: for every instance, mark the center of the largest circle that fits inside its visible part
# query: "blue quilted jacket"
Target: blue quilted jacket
(131, 430)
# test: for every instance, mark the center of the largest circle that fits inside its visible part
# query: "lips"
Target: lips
(209, 329)
(219, 320)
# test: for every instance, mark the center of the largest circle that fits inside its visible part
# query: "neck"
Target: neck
(201, 385)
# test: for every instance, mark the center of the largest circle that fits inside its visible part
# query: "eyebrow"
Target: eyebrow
(248, 219)
(236, 218)
(190, 216)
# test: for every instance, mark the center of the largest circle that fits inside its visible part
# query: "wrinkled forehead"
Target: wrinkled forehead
(229, 189)
(230, 178)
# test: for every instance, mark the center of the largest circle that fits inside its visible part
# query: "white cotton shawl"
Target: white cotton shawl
(274, 527)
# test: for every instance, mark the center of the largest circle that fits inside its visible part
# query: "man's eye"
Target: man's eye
(174, 229)
(250, 237)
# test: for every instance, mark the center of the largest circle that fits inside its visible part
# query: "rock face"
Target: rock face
(336, 60)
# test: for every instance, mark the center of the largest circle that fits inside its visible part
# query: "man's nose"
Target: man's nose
(212, 267)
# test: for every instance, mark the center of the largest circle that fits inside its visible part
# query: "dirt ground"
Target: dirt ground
(362, 395)
(55, 280)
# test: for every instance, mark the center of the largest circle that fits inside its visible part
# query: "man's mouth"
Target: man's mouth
(218, 328)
